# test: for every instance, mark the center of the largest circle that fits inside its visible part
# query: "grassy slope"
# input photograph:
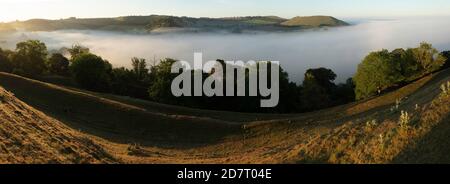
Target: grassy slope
(337, 135)
(29, 136)
(112, 119)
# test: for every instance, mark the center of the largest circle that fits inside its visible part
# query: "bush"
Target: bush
(405, 120)
(91, 72)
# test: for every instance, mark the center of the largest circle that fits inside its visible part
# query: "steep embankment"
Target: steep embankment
(371, 131)
(29, 136)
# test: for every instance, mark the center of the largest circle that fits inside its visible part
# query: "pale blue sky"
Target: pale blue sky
(55, 9)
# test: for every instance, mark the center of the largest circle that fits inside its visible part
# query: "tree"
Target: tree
(139, 67)
(91, 72)
(30, 57)
(77, 50)
(5, 62)
(377, 71)
(446, 54)
(58, 64)
(344, 93)
(317, 88)
(428, 57)
(410, 69)
(160, 89)
(124, 82)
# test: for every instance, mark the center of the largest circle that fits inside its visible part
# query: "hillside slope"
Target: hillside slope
(370, 131)
(158, 23)
(29, 136)
(314, 21)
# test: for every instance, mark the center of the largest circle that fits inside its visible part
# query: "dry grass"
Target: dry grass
(29, 136)
(134, 131)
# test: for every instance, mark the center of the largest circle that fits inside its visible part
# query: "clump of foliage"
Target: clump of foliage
(77, 50)
(91, 72)
(162, 79)
(405, 120)
(382, 70)
(446, 54)
(58, 64)
(5, 63)
(317, 87)
(29, 58)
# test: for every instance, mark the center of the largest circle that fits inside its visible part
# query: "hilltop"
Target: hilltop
(314, 21)
(160, 23)
(375, 130)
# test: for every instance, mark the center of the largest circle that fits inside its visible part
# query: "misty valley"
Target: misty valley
(261, 89)
(340, 49)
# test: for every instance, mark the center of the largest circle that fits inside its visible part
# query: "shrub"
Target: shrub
(371, 124)
(445, 88)
(405, 120)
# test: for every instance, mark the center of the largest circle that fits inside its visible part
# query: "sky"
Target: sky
(11, 10)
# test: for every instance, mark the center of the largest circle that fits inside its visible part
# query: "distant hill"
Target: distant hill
(314, 21)
(155, 23)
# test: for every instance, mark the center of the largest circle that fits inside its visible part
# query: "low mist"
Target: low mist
(340, 49)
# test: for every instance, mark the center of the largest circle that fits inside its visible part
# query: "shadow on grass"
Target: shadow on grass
(118, 122)
(434, 148)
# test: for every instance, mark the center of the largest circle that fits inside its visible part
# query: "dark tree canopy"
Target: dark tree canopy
(5, 63)
(317, 90)
(58, 64)
(160, 89)
(30, 57)
(139, 67)
(446, 54)
(378, 71)
(91, 72)
(77, 50)
(383, 69)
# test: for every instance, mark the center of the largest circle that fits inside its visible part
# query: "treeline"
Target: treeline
(378, 71)
(384, 70)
